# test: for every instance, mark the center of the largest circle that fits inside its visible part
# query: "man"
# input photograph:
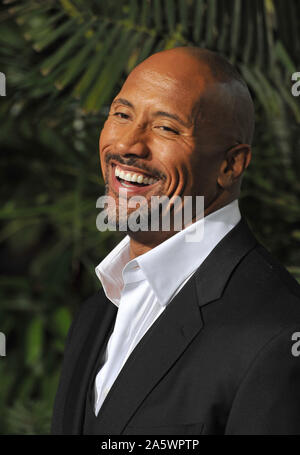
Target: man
(184, 338)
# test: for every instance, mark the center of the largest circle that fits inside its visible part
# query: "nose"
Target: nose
(132, 141)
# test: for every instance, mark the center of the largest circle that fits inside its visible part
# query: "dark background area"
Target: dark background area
(64, 62)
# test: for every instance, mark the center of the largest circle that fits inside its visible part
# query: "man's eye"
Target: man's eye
(167, 128)
(121, 115)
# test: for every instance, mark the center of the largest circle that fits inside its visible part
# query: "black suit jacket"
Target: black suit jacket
(218, 360)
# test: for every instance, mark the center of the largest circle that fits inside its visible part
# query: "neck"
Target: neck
(143, 241)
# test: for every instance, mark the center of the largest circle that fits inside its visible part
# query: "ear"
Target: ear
(235, 162)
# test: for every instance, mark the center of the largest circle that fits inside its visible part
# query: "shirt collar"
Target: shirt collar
(166, 266)
(109, 271)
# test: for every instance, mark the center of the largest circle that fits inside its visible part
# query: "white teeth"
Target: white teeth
(129, 177)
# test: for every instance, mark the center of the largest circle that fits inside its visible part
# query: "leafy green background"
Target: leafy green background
(64, 61)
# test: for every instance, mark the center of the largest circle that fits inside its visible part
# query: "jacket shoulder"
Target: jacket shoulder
(264, 275)
(85, 315)
(262, 294)
(283, 275)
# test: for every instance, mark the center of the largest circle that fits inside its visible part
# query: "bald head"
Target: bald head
(225, 105)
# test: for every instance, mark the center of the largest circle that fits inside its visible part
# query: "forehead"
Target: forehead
(165, 85)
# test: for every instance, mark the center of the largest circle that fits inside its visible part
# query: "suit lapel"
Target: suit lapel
(162, 344)
(213, 274)
(154, 355)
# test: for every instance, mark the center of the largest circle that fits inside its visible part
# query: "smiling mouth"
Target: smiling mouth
(132, 178)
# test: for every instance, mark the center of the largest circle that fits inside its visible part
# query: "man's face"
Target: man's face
(156, 130)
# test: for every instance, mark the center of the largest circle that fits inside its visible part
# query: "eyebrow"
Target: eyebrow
(122, 101)
(156, 114)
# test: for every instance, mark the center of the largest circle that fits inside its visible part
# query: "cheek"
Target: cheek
(104, 136)
(174, 155)
(205, 173)
(108, 133)
(102, 144)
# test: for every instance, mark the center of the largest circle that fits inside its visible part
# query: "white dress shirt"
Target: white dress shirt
(141, 288)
